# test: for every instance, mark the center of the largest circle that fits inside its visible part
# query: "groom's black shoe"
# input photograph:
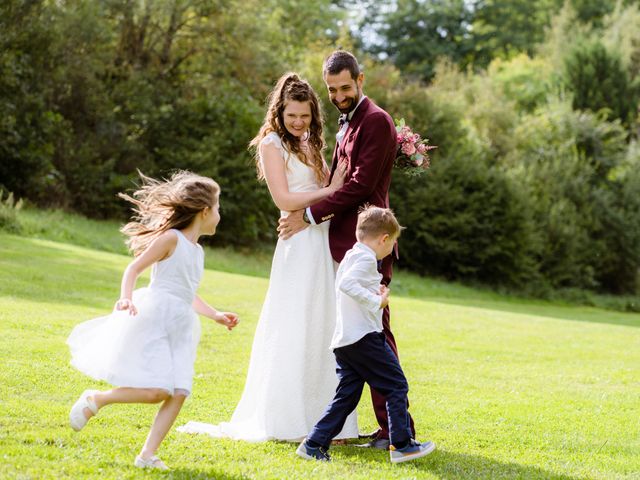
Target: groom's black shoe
(370, 435)
(379, 443)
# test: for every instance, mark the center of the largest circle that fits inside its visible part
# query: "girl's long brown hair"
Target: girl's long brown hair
(291, 87)
(160, 205)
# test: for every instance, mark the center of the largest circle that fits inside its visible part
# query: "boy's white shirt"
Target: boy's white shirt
(357, 296)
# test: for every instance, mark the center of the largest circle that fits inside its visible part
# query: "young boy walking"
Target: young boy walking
(359, 345)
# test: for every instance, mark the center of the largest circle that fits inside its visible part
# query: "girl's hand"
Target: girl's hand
(227, 319)
(339, 176)
(126, 304)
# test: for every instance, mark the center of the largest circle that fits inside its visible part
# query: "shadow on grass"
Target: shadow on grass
(202, 474)
(448, 465)
(32, 269)
(47, 272)
(558, 312)
(409, 286)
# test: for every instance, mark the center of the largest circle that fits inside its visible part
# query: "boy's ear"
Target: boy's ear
(384, 238)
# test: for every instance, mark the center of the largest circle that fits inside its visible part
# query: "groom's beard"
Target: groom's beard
(352, 105)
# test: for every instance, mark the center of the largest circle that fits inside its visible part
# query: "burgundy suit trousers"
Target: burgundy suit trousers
(378, 400)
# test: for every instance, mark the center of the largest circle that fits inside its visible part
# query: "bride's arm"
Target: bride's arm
(275, 175)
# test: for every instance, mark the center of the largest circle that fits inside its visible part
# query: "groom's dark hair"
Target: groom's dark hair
(341, 60)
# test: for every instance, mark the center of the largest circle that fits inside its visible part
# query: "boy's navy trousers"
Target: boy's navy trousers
(369, 360)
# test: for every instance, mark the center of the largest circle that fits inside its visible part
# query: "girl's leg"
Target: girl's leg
(126, 395)
(130, 395)
(162, 424)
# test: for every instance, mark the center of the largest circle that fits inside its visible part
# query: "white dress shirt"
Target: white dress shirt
(357, 296)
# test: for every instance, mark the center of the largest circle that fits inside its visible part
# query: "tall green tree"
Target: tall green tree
(503, 28)
(598, 81)
(29, 125)
(414, 34)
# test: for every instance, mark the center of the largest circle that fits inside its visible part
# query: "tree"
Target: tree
(28, 125)
(598, 81)
(504, 28)
(415, 33)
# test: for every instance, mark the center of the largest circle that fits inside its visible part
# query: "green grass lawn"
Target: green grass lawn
(507, 388)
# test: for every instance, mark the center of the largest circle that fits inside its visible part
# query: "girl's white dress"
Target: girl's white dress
(157, 347)
(292, 372)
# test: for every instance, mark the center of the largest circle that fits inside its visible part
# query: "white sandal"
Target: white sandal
(152, 462)
(76, 415)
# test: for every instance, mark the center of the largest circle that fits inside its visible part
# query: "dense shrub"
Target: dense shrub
(598, 81)
(566, 161)
(523, 80)
(28, 125)
(9, 213)
(619, 207)
(466, 220)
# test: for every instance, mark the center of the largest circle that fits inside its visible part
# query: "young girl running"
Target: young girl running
(147, 346)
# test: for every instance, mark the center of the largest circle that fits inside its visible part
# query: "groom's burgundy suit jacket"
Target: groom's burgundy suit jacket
(369, 146)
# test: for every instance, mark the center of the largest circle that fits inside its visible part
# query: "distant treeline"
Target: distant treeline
(534, 106)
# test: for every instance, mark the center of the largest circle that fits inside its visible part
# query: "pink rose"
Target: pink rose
(408, 149)
(416, 137)
(422, 148)
(399, 138)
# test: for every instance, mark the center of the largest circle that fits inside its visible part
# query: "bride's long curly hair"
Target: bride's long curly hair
(290, 87)
(160, 205)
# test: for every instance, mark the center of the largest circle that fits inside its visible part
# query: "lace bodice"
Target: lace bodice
(300, 177)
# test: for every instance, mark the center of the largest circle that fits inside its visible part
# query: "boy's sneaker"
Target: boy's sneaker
(312, 453)
(411, 452)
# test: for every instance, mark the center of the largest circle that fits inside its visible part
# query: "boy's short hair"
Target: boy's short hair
(374, 221)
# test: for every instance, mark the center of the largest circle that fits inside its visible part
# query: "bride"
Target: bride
(291, 377)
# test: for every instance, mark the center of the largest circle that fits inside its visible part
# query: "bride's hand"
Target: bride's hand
(339, 176)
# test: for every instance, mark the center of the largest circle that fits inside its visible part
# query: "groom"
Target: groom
(367, 142)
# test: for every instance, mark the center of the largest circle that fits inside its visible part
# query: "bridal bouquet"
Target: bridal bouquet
(413, 151)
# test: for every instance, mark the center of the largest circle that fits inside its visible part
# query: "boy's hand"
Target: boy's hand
(227, 319)
(384, 294)
(126, 304)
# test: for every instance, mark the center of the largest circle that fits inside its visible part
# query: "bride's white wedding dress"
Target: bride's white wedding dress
(291, 377)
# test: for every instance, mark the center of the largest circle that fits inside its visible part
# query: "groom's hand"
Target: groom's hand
(292, 224)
